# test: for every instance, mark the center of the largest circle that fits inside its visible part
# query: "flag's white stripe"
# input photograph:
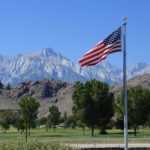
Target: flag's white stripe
(97, 46)
(94, 60)
(94, 50)
(94, 54)
(104, 54)
(97, 61)
(92, 63)
(118, 44)
(115, 48)
(95, 57)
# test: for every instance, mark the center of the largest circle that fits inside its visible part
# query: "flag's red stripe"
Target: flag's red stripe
(95, 49)
(103, 56)
(118, 43)
(99, 53)
(115, 51)
(97, 61)
(94, 59)
(93, 55)
(116, 47)
(91, 59)
(95, 52)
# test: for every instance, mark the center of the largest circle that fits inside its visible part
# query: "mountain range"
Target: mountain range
(53, 92)
(46, 63)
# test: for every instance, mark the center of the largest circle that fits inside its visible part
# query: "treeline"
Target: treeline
(94, 106)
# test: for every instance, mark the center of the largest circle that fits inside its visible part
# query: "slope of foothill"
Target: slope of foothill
(52, 92)
(48, 92)
(143, 80)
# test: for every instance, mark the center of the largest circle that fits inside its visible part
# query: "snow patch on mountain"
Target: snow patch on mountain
(45, 63)
(138, 69)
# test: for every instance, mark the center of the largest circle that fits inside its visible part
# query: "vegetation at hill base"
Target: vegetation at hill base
(95, 110)
(35, 146)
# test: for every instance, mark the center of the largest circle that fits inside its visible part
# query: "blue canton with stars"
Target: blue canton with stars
(114, 37)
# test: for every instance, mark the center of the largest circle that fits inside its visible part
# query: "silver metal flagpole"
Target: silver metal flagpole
(125, 87)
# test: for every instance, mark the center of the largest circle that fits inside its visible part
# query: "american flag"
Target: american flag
(109, 45)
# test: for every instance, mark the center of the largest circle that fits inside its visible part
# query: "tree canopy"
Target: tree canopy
(93, 104)
(54, 115)
(8, 117)
(138, 106)
(29, 110)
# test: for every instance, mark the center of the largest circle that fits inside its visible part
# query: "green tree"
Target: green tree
(5, 125)
(7, 118)
(138, 107)
(54, 116)
(70, 122)
(41, 121)
(81, 125)
(29, 110)
(79, 96)
(93, 104)
(19, 124)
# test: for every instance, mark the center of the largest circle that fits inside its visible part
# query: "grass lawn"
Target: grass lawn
(74, 136)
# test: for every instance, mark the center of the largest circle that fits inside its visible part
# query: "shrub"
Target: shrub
(35, 146)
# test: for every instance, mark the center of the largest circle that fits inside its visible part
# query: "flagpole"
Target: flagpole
(125, 87)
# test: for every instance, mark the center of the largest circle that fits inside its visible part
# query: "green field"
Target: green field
(73, 136)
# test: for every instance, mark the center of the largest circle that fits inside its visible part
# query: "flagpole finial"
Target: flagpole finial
(124, 20)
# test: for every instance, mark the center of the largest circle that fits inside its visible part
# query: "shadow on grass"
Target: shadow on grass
(46, 135)
(119, 133)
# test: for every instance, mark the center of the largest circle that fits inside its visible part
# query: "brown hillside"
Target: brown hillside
(143, 81)
(52, 92)
(47, 92)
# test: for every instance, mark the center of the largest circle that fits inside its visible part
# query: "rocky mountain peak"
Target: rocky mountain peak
(138, 69)
(41, 89)
(46, 63)
(45, 52)
(137, 66)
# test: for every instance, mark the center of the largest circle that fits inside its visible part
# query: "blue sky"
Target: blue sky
(72, 27)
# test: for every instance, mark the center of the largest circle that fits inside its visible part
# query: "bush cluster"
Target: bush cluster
(35, 146)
